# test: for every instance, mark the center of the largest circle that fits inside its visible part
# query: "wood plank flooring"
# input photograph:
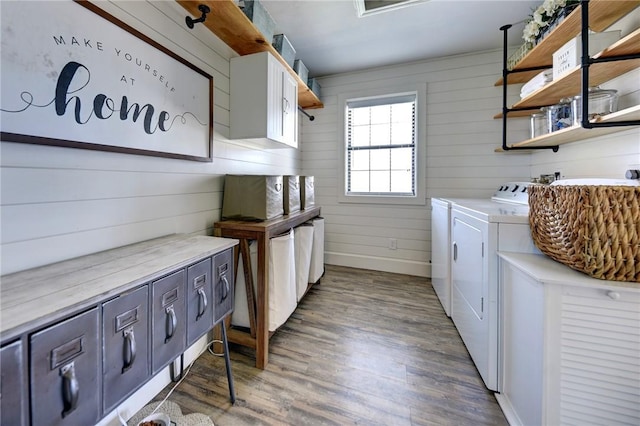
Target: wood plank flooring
(362, 348)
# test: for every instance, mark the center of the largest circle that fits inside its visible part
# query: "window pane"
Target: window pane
(374, 123)
(380, 159)
(402, 113)
(359, 116)
(359, 181)
(401, 158)
(401, 133)
(380, 181)
(380, 134)
(380, 114)
(360, 160)
(360, 136)
(401, 181)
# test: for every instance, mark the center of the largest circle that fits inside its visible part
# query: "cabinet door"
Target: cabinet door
(224, 284)
(12, 385)
(289, 110)
(523, 316)
(125, 331)
(169, 331)
(199, 300)
(65, 372)
(599, 356)
(275, 100)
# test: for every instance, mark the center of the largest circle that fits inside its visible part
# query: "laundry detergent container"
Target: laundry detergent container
(252, 197)
(281, 285)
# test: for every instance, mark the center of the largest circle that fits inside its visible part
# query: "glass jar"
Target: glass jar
(559, 116)
(539, 124)
(601, 102)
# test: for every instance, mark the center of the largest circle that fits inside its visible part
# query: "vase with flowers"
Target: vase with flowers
(545, 18)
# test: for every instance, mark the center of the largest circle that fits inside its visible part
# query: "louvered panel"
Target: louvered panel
(576, 412)
(600, 358)
(626, 390)
(607, 357)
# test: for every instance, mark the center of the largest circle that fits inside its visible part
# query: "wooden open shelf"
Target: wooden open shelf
(231, 25)
(570, 84)
(602, 14)
(576, 133)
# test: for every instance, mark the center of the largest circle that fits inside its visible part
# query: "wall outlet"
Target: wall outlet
(393, 244)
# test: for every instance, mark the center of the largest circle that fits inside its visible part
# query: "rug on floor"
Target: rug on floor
(174, 412)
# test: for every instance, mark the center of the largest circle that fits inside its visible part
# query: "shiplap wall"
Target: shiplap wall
(59, 203)
(461, 137)
(460, 142)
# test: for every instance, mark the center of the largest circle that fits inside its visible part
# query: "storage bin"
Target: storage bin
(593, 229)
(284, 48)
(252, 197)
(303, 244)
(601, 102)
(313, 84)
(300, 69)
(307, 192)
(261, 19)
(539, 125)
(291, 194)
(559, 116)
(316, 266)
(281, 285)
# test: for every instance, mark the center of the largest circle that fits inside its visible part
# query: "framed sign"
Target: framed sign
(72, 75)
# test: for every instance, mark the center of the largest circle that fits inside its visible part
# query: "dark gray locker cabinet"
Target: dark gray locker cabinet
(65, 372)
(224, 284)
(12, 385)
(199, 300)
(125, 333)
(169, 331)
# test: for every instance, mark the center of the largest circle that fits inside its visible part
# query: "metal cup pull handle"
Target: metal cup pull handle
(202, 303)
(128, 349)
(70, 388)
(278, 187)
(171, 323)
(225, 288)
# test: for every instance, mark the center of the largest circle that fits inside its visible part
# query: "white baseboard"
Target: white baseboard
(385, 264)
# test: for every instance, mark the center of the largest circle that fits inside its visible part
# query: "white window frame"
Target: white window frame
(420, 90)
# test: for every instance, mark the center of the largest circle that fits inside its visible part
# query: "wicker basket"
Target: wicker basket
(592, 229)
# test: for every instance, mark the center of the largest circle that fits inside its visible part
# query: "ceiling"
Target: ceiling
(330, 38)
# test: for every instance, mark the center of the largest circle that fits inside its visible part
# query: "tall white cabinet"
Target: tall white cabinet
(570, 345)
(264, 100)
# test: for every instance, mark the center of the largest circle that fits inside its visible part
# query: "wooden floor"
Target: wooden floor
(363, 347)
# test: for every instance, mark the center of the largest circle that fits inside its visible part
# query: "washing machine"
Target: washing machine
(475, 231)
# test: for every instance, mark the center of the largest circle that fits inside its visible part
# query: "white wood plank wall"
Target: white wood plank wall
(59, 203)
(461, 137)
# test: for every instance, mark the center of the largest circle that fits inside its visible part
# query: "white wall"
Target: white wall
(460, 142)
(59, 203)
(461, 162)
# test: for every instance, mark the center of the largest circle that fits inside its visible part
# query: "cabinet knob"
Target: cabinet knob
(613, 295)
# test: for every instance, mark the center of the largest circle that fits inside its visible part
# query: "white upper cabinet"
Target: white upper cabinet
(264, 99)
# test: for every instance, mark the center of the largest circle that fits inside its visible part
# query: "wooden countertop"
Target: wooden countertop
(36, 297)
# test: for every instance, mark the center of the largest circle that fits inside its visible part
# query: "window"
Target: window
(381, 146)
